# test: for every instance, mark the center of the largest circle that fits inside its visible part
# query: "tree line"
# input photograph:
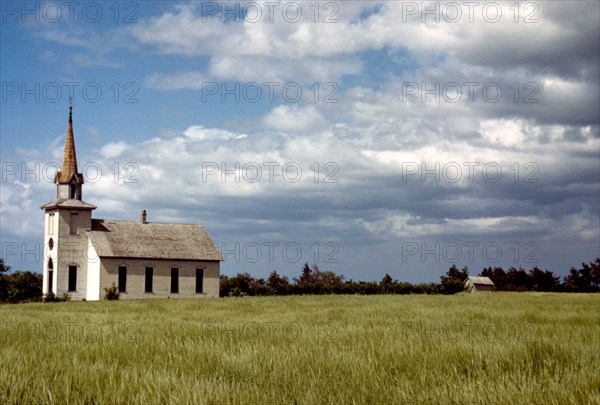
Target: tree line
(26, 286)
(19, 286)
(313, 280)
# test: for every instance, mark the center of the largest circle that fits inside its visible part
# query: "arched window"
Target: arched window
(73, 190)
(50, 264)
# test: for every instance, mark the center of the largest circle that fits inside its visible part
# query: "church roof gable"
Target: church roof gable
(152, 240)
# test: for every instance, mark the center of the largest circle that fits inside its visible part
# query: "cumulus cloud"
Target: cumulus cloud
(286, 119)
(176, 81)
(113, 149)
(442, 132)
(201, 133)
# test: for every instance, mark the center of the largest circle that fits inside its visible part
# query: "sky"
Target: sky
(367, 137)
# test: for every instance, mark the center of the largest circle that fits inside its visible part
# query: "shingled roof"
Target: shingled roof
(68, 170)
(152, 240)
(68, 203)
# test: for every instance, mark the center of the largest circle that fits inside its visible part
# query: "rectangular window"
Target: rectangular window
(50, 280)
(199, 280)
(51, 224)
(174, 280)
(149, 274)
(74, 224)
(122, 279)
(72, 278)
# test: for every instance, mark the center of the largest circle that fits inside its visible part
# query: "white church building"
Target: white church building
(143, 259)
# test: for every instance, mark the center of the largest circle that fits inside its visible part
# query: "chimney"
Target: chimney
(143, 217)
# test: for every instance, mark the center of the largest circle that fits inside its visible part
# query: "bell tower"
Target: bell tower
(67, 218)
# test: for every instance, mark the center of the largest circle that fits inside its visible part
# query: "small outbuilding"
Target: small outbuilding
(478, 284)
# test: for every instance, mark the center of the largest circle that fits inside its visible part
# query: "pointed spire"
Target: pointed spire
(69, 164)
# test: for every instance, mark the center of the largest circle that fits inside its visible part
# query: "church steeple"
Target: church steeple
(68, 179)
(69, 163)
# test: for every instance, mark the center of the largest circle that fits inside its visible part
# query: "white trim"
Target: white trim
(93, 275)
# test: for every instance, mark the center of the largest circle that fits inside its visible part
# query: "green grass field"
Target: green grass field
(499, 348)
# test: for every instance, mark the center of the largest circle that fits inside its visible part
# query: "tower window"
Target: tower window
(72, 190)
(74, 224)
(174, 280)
(148, 284)
(122, 279)
(51, 224)
(50, 264)
(72, 278)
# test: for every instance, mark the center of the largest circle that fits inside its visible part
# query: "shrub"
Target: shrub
(51, 297)
(236, 292)
(111, 293)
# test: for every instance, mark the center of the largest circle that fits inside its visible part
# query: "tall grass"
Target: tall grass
(497, 348)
